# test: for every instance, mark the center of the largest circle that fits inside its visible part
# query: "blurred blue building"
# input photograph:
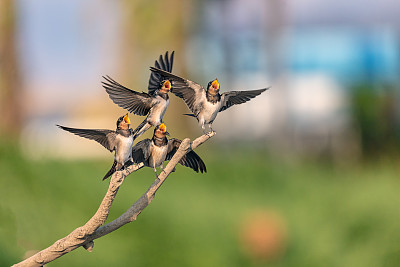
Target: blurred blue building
(348, 54)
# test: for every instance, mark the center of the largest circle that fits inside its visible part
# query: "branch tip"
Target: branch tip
(89, 246)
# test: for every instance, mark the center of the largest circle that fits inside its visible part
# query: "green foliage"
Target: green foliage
(376, 115)
(329, 216)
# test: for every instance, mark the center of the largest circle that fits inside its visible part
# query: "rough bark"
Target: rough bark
(93, 229)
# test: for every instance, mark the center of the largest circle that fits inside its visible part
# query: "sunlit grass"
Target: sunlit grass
(328, 216)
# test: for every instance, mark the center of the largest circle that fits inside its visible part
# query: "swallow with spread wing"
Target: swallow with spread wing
(206, 103)
(153, 104)
(120, 140)
(153, 152)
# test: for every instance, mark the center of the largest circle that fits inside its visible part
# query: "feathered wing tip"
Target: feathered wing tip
(103, 137)
(199, 164)
(193, 161)
(202, 166)
(164, 63)
(231, 98)
(135, 102)
(111, 171)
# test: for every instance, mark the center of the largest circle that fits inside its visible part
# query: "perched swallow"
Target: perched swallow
(205, 104)
(153, 152)
(120, 140)
(153, 104)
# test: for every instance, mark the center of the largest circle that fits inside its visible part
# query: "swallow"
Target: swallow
(153, 104)
(205, 104)
(120, 140)
(153, 152)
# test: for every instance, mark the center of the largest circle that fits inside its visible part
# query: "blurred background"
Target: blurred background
(307, 174)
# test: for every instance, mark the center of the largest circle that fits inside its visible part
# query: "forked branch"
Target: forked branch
(93, 229)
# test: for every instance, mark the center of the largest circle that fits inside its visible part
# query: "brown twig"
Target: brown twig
(93, 229)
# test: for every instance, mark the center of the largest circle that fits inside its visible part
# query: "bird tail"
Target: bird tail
(139, 130)
(191, 115)
(111, 171)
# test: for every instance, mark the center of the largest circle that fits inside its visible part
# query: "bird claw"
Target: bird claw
(211, 133)
(128, 163)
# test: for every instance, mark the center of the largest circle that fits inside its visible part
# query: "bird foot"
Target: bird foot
(128, 163)
(211, 133)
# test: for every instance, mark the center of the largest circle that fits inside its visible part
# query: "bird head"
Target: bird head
(213, 87)
(166, 86)
(123, 122)
(161, 130)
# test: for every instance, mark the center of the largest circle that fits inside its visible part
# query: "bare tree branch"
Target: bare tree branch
(93, 229)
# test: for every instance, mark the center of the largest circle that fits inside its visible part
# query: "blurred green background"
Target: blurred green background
(305, 175)
(248, 210)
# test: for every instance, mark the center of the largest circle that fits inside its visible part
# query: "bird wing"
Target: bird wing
(141, 151)
(192, 93)
(106, 138)
(134, 102)
(231, 98)
(191, 159)
(156, 78)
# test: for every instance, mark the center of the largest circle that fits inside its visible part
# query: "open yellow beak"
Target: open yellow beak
(162, 128)
(167, 84)
(215, 84)
(126, 119)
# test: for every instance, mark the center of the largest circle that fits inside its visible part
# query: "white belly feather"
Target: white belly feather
(158, 155)
(209, 112)
(124, 148)
(157, 111)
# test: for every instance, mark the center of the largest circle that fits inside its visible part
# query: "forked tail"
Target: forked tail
(140, 129)
(111, 171)
(191, 115)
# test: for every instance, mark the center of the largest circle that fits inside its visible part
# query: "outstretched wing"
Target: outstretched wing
(192, 93)
(231, 98)
(191, 159)
(135, 102)
(141, 151)
(106, 138)
(156, 78)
